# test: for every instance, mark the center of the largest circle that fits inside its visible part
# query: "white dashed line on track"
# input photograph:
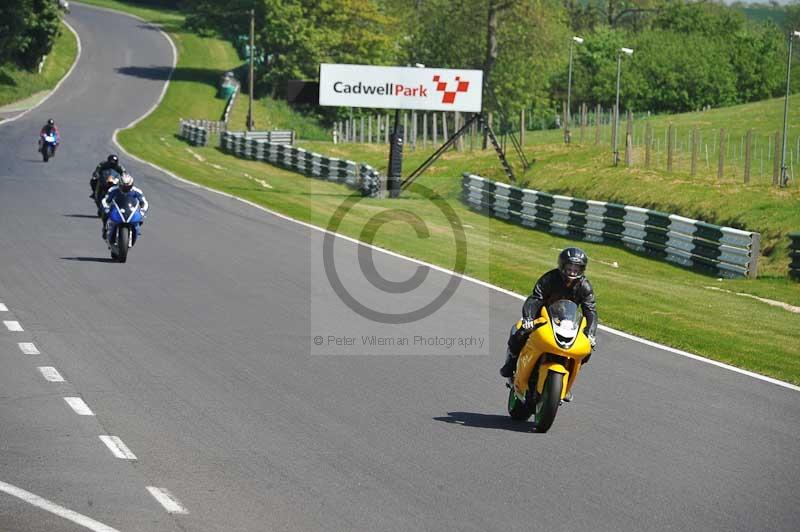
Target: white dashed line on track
(167, 500)
(117, 447)
(13, 326)
(51, 374)
(3, 308)
(79, 406)
(28, 348)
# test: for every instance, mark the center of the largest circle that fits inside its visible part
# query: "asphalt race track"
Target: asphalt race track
(200, 354)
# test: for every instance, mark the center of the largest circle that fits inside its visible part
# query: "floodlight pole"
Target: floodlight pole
(569, 88)
(250, 123)
(784, 175)
(616, 106)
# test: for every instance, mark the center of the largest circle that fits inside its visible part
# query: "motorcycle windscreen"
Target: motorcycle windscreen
(109, 172)
(565, 317)
(126, 209)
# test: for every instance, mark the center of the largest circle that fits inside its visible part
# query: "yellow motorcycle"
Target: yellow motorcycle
(548, 364)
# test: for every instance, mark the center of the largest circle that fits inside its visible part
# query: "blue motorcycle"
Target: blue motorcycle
(124, 225)
(47, 146)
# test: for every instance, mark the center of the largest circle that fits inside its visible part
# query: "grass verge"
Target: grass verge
(642, 296)
(17, 84)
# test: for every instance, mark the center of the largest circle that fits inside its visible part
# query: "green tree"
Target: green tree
(28, 29)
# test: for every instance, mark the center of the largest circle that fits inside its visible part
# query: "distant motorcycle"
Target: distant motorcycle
(124, 219)
(47, 146)
(108, 178)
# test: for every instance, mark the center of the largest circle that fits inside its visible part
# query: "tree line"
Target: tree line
(687, 54)
(28, 29)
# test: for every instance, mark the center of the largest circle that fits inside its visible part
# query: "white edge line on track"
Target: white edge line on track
(3, 308)
(397, 255)
(28, 348)
(117, 447)
(50, 374)
(62, 80)
(167, 500)
(79, 406)
(44, 504)
(13, 325)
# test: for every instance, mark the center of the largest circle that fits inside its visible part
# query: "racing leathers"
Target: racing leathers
(115, 193)
(104, 165)
(549, 288)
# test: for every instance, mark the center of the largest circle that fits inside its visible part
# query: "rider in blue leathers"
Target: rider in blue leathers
(125, 188)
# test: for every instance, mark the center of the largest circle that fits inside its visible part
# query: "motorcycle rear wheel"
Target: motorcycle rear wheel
(547, 406)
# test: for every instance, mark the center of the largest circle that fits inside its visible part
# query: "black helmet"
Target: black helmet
(51, 122)
(113, 159)
(572, 264)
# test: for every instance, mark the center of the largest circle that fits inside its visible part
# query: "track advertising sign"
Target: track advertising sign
(429, 89)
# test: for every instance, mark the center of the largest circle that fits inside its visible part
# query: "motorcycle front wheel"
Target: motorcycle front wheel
(547, 406)
(45, 153)
(123, 238)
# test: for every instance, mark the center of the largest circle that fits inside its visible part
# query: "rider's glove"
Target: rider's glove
(527, 323)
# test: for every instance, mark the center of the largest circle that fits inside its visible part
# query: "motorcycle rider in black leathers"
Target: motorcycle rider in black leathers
(565, 282)
(111, 163)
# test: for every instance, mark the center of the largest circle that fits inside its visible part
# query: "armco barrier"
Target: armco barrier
(277, 136)
(722, 251)
(358, 176)
(794, 254)
(195, 135)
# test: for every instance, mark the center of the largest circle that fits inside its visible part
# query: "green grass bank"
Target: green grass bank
(17, 84)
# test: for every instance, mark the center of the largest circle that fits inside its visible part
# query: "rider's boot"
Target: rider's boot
(507, 371)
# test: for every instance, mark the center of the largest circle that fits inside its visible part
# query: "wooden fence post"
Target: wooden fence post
(522, 128)
(584, 112)
(670, 147)
(695, 144)
(721, 163)
(369, 129)
(424, 130)
(597, 125)
(747, 155)
(629, 140)
(435, 129)
(776, 160)
(648, 143)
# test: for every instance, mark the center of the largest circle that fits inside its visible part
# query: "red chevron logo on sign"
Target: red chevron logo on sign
(450, 96)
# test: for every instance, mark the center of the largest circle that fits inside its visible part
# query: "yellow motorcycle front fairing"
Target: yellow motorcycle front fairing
(542, 340)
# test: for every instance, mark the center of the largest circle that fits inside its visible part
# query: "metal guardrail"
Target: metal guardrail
(722, 251)
(278, 136)
(794, 254)
(357, 176)
(196, 135)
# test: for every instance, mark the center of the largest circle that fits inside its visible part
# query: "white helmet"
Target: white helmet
(126, 182)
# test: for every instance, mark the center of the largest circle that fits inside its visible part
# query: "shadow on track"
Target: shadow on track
(161, 73)
(89, 259)
(486, 421)
(92, 216)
